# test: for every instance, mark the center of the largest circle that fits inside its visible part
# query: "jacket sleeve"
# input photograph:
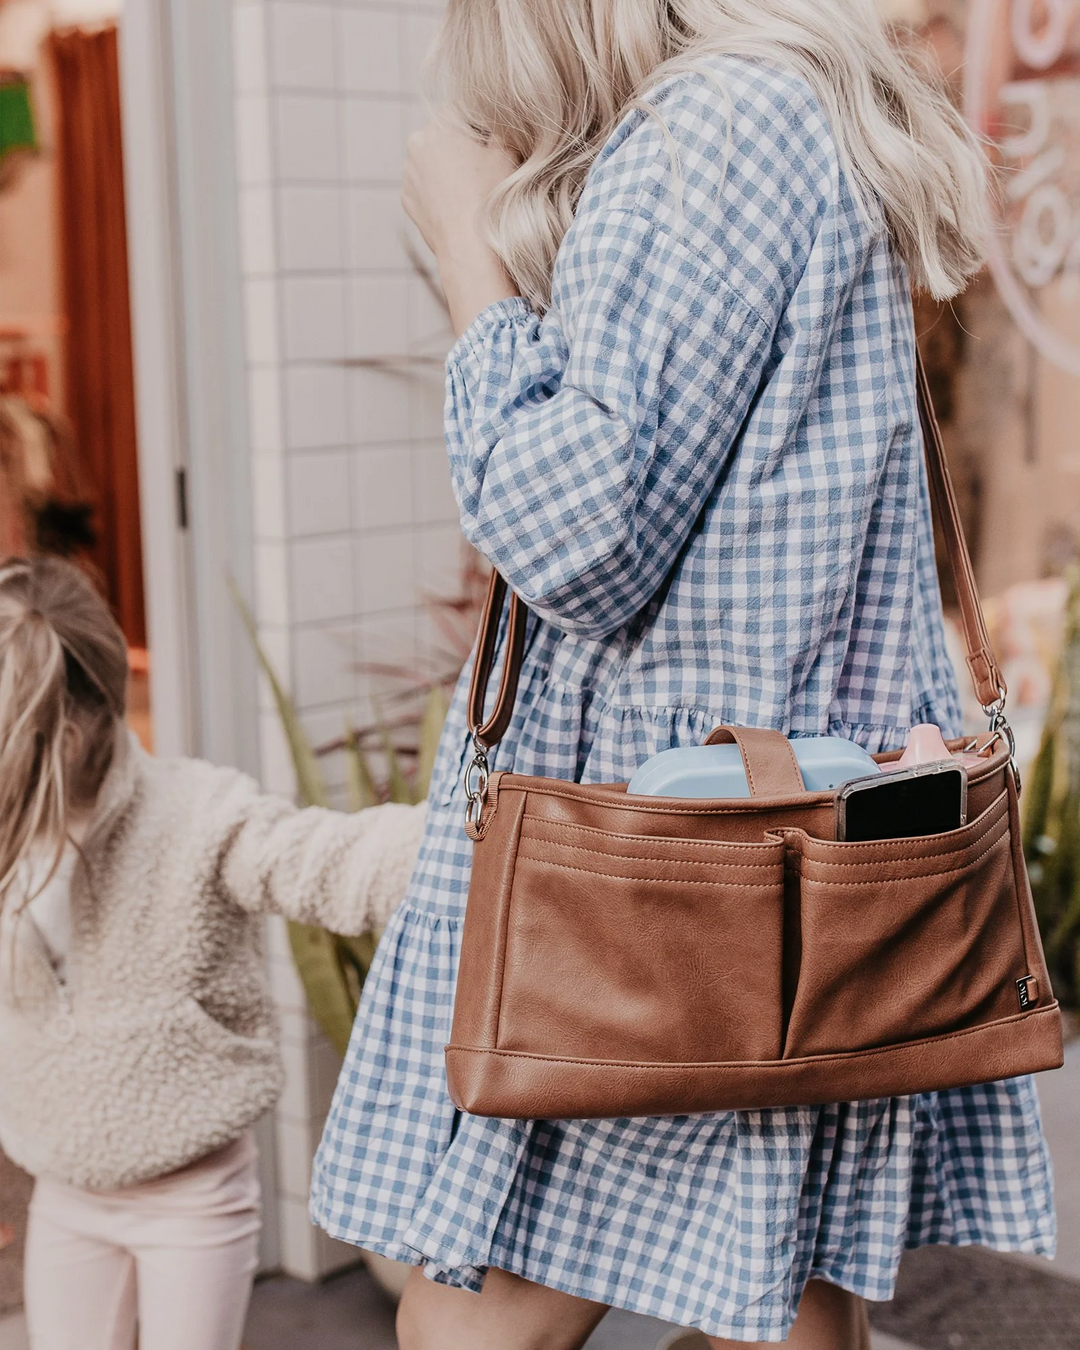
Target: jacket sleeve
(344, 872)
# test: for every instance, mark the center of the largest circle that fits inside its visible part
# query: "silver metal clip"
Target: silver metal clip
(999, 727)
(476, 778)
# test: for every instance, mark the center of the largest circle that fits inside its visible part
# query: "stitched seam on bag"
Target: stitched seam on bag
(1001, 826)
(746, 766)
(625, 801)
(622, 802)
(884, 881)
(914, 855)
(651, 862)
(794, 761)
(758, 1063)
(777, 867)
(658, 881)
(1024, 912)
(504, 915)
(659, 838)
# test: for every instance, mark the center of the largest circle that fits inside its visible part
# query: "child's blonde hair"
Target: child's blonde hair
(63, 687)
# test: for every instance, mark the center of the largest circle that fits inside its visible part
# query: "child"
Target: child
(137, 1037)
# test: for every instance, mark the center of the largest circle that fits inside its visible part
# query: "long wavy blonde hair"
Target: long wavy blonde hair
(551, 79)
(63, 683)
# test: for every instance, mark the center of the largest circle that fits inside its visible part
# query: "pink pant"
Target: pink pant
(174, 1256)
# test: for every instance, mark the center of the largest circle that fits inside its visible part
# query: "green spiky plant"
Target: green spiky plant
(333, 967)
(1052, 815)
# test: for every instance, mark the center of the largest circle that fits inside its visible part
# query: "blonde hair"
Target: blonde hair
(551, 79)
(63, 686)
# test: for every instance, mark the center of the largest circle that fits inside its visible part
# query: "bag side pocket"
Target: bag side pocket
(642, 951)
(904, 939)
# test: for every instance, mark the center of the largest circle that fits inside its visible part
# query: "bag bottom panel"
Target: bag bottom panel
(515, 1085)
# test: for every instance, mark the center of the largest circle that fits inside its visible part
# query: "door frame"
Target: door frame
(177, 92)
(190, 373)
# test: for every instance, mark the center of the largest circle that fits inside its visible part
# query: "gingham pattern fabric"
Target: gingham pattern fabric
(702, 470)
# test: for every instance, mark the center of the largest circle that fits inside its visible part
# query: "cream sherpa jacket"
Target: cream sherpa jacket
(162, 1045)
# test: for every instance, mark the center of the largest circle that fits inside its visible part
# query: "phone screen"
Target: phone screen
(903, 806)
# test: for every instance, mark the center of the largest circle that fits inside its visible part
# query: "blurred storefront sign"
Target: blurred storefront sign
(1022, 93)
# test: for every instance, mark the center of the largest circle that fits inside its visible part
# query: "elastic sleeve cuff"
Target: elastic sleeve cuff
(515, 310)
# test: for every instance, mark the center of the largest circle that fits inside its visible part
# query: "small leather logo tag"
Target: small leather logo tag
(1027, 991)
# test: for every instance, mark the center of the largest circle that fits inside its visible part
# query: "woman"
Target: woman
(676, 239)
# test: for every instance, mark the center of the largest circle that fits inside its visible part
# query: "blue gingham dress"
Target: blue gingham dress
(702, 470)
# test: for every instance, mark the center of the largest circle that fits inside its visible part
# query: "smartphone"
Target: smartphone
(924, 799)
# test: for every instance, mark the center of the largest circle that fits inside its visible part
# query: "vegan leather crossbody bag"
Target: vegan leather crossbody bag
(630, 956)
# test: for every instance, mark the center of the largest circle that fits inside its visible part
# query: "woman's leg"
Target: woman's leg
(508, 1314)
(79, 1286)
(829, 1319)
(514, 1314)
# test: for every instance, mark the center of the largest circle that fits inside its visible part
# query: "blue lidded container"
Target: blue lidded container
(714, 771)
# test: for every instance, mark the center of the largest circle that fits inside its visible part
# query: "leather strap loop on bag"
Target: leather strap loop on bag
(985, 674)
(771, 767)
(490, 732)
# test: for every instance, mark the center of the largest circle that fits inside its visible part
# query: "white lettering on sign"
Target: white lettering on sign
(1034, 119)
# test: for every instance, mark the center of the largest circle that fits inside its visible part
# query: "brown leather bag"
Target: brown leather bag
(630, 956)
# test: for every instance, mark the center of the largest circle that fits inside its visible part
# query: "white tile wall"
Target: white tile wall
(268, 497)
(260, 309)
(370, 50)
(376, 230)
(354, 518)
(253, 154)
(264, 410)
(301, 45)
(319, 493)
(379, 316)
(313, 318)
(271, 581)
(307, 138)
(249, 46)
(382, 485)
(316, 402)
(323, 656)
(386, 569)
(373, 137)
(256, 213)
(321, 580)
(311, 233)
(376, 415)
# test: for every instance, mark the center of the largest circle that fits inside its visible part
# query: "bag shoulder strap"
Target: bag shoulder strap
(985, 674)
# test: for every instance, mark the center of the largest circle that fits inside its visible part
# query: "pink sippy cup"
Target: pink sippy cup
(926, 745)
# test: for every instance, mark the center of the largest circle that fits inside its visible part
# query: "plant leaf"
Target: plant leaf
(358, 778)
(328, 994)
(310, 783)
(400, 790)
(431, 725)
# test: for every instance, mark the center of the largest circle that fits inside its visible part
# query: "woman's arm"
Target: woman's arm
(584, 445)
(344, 872)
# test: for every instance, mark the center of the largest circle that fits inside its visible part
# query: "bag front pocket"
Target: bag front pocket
(904, 939)
(642, 950)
